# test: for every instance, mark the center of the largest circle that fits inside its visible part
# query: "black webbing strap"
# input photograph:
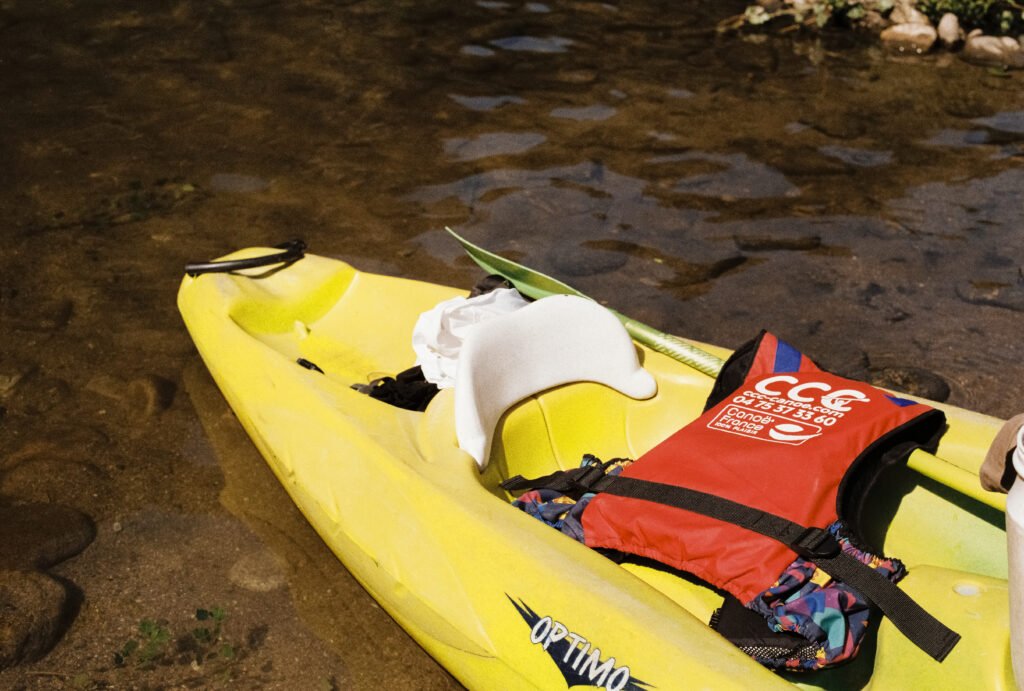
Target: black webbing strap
(814, 544)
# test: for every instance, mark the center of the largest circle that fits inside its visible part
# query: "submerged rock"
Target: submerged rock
(35, 535)
(35, 607)
(43, 479)
(912, 380)
(259, 572)
(574, 260)
(1005, 295)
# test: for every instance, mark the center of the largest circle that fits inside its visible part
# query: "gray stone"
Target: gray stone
(35, 609)
(916, 38)
(35, 535)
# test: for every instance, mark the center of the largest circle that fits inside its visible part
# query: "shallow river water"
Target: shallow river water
(865, 206)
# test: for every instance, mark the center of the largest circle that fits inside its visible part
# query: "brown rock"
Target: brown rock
(993, 50)
(35, 535)
(35, 608)
(76, 483)
(917, 38)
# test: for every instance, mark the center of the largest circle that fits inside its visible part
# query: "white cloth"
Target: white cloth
(438, 335)
(553, 341)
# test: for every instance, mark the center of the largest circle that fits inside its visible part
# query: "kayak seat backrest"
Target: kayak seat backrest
(554, 429)
(552, 342)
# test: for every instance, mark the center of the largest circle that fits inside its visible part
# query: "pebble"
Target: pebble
(258, 571)
(38, 535)
(35, 608)
(912, 380)
(949, 30)
(993, 50)
(917, 38)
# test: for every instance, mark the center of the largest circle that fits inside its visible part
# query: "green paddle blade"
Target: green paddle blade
(537, 285)
(527, 281)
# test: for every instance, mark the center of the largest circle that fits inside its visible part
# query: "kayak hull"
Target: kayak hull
(498, 598)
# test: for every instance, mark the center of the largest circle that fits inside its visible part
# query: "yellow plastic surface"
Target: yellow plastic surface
(477, 582)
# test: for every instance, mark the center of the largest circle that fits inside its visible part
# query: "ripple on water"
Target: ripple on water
(1011, 121)
(476, 51)
(533, 44)
(485, 102)
(584, 113)
(958, 139)
(862, 158)
(491, 144)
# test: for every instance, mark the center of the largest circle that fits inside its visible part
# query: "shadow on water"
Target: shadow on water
(863, 205)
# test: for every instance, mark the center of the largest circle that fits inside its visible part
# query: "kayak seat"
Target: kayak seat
(554, 341)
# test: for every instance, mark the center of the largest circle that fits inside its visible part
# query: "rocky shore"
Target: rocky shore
(903, 27)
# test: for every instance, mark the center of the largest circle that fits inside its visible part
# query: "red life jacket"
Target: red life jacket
(784, 437)
(782, 450)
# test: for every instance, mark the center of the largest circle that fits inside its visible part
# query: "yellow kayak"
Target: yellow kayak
(481, 585)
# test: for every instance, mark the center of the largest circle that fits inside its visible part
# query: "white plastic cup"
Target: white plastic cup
(1015, 549)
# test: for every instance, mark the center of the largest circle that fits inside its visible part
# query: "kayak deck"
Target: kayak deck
(438, 545)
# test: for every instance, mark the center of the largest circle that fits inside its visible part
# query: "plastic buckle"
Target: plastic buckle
(815, 543)
(585, 480)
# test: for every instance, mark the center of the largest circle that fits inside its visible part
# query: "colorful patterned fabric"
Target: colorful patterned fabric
(562, 512)
(833, 617)
(828, 613)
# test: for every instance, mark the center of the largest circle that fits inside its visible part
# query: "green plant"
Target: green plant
(202, 644)
(151, 644)
(208, 639)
